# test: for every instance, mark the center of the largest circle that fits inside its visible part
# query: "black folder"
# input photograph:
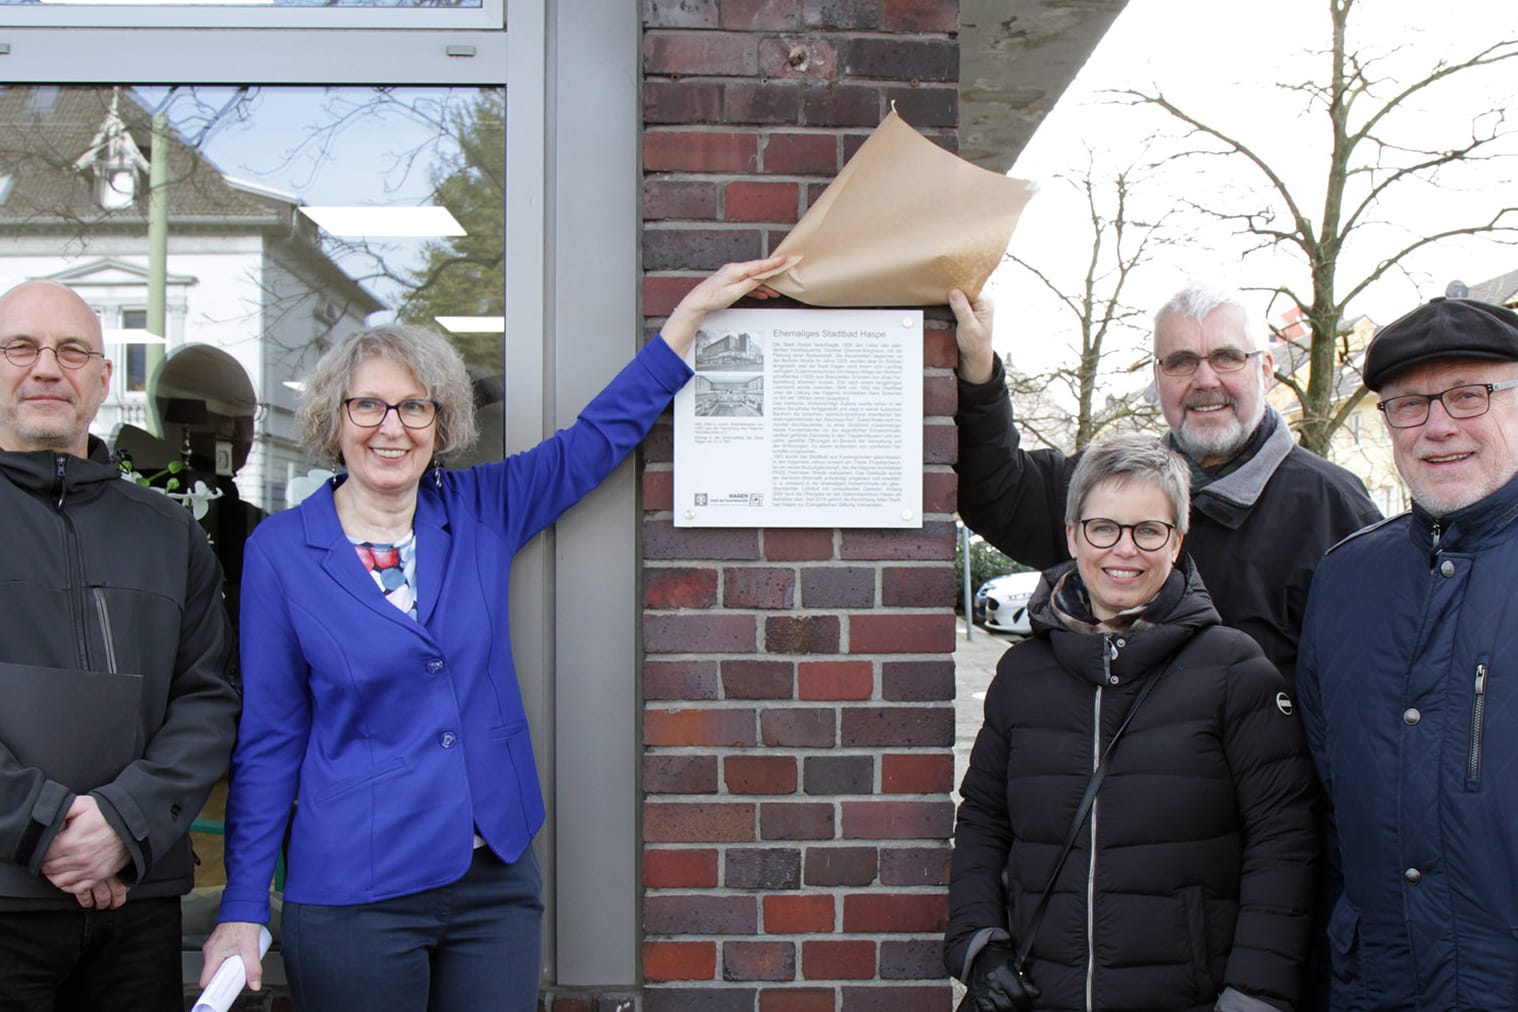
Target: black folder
(78, 727)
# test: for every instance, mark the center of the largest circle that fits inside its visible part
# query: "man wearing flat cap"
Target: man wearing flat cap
(1408, 681)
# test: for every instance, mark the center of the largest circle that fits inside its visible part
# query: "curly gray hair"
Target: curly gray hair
(434, 362)
(1128, 458)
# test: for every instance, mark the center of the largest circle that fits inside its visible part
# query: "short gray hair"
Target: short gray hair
(1127, 458)
(1197, 301)
(434, 362)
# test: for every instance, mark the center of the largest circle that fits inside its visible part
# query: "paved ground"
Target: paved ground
(975, 660)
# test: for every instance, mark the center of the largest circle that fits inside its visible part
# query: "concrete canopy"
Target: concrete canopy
(1016, 58)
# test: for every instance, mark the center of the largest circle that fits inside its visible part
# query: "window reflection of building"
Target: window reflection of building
(132, 360)
(247, 273)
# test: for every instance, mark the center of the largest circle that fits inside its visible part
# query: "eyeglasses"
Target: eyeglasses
(1149, 535)
(1465, 401)
(70, 356)
(1184, 363)
(370, 412)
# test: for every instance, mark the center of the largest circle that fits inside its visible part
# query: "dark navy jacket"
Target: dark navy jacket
(1408, 680)
(403, 738)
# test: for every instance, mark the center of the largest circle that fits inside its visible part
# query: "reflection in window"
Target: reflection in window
(459, 4)
(135, 357)
(252, 290)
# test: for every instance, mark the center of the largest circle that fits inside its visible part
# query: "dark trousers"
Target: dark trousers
(122, 960)
(469, 946)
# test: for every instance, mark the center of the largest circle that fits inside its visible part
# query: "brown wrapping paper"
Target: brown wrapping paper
(900, 225)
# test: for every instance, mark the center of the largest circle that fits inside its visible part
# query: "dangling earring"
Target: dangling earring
(437, 471)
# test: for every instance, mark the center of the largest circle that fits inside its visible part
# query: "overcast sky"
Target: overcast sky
(1223, 62)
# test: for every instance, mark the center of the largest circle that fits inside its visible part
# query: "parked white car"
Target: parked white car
(1003, 600)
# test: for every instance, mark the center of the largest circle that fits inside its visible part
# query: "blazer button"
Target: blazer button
(435, 665)
(447, 739)
(1413, 876)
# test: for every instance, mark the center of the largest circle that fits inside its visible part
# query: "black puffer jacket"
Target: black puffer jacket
(1204, 865)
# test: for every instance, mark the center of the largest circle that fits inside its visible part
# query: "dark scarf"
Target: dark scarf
(1071, 604)
(1201, 476)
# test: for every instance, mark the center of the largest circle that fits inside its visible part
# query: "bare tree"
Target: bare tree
(1370, 158)
(1121, 242)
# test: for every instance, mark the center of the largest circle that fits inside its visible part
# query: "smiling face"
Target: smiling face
(388, 459)
(44, 405)
(1211, 414)
(1123, 576)
(1450, 463)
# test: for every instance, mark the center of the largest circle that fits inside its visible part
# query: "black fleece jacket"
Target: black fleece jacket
(101, 575)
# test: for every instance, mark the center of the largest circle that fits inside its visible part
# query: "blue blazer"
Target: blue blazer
(401, 738)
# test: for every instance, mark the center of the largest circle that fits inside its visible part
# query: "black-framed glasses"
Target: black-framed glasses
(1184, 363)
(1149, 535)
(70, 356)
(370, 412)
(1468, 400)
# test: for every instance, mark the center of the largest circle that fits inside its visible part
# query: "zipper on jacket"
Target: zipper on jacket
(72, 562)
(1096, 758)
(1478, 722)
(105, 629)
(1433, 548)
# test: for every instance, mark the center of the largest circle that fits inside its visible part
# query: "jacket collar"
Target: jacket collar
(1470, 529)
(324, 533)
(60, 475)
(1098, 654)
(1229, 499)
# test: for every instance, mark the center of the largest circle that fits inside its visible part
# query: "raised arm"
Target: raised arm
(718, 291)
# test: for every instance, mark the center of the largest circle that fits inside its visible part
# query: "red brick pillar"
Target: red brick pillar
(798, 684)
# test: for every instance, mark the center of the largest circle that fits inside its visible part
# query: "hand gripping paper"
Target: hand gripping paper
(229, 980)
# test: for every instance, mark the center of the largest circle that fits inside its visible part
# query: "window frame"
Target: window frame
(228, 14)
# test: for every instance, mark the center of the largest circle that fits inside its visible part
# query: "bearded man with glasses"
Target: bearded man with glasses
(1263, 509)
(1409, 681)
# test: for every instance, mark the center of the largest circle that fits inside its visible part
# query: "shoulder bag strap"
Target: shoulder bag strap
(1082, 810)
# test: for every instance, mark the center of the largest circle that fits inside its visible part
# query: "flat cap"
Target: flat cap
(1442, 328)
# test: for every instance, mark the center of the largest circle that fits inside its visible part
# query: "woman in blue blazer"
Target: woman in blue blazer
(378, 684)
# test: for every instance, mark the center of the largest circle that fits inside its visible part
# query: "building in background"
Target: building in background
(250, 296)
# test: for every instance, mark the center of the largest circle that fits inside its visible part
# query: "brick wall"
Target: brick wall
(798, 684)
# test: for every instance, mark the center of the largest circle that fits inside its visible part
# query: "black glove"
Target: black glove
(995, 985)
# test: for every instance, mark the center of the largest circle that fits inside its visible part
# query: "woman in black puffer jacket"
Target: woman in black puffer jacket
(1190, 883)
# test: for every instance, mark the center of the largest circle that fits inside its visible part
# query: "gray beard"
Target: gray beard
(1221, 445)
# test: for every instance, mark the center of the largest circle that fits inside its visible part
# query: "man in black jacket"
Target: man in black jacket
(116, 716)
(1263, 509)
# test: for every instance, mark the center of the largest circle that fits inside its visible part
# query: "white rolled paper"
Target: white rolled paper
(229, 980)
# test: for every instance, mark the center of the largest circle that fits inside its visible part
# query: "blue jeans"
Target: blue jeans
(470, 946)
(122, 960)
